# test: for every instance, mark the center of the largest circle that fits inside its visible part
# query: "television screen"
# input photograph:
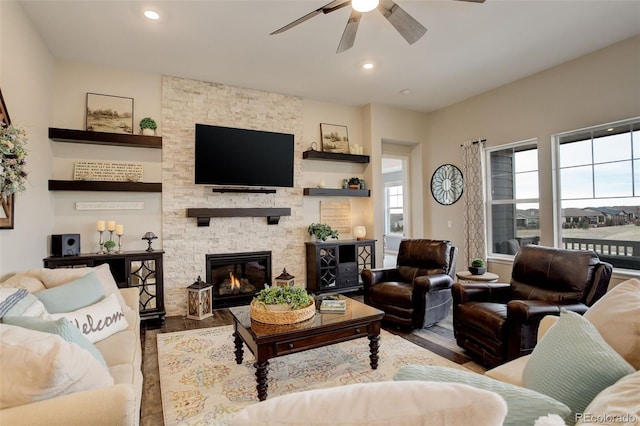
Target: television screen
(228, 156)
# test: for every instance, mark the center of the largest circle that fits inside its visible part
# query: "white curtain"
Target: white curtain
(473, 196)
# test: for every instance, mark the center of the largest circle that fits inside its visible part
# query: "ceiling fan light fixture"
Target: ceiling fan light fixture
(152, 14)
(364, 5)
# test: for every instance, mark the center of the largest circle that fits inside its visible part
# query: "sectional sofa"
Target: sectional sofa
(53, 375)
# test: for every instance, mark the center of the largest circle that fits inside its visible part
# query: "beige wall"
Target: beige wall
(26, 79)
(595, 89)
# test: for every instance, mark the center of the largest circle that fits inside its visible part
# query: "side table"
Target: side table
(487, 277)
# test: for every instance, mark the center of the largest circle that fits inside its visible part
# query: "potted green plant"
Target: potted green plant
(148, 126)
(322, 231)
(109, 245)
(354, 183)
(282, 305)
(284, 298)
(478, 266)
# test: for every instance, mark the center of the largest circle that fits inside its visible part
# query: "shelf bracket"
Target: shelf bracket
(204, 221)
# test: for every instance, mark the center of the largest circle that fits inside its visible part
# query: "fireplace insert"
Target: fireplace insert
(236, 277)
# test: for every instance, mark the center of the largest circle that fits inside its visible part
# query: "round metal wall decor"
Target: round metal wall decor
(447, 184)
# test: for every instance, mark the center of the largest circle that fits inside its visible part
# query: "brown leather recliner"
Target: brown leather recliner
(417, 293)
(498, 322)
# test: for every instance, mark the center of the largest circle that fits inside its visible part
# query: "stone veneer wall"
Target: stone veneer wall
(185, 103)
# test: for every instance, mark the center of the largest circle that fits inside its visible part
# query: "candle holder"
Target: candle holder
(101, 242)
(119, 243)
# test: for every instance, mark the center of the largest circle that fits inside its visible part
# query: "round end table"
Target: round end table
(487, 277)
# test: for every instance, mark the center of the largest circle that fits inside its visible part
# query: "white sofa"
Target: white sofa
(117, 404)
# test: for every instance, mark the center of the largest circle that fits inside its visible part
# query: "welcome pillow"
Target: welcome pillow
(572, 363)
(38, 366)
(98, 321)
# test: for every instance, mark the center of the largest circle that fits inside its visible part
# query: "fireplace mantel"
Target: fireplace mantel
(204, 215)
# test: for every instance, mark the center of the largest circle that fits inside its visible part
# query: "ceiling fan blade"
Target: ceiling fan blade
(327, 8)
(408, 27)
(349, 34)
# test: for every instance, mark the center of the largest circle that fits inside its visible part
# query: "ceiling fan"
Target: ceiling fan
(404, 23)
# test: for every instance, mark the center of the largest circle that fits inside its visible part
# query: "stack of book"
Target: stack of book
(333, 306)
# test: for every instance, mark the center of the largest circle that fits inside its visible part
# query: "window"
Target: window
(599, 191)
(512, 201)
(395, 211)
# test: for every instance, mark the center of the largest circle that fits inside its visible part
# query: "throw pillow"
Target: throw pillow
(380, 403)
(81, 292)
(26, 280)
(98, 321)
(62, 327)
(18, 301)
(617, 317)
(572, 363)
(38, 366)
(524, 406)
(617, 404)
(56, 277)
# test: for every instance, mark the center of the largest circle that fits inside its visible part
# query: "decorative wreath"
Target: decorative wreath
(12, 160)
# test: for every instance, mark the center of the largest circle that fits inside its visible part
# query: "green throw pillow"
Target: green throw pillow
(524, 405)
(572, 363)
(62, 327)
(73, 295)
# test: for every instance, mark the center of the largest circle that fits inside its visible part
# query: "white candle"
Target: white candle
(111, 225)
(119, 229)
(101, 225)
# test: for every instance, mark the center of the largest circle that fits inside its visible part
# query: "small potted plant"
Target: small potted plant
(322, 231)
(478, 266)
(148, 126)
(109, 245)
(354, 183)
(282, 305)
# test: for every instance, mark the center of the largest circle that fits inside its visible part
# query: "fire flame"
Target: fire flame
(235, 283)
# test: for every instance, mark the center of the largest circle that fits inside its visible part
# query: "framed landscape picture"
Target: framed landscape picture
(334, 138)
(112, 114)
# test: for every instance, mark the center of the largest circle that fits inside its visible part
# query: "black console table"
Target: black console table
(141, 269)
(334, 266)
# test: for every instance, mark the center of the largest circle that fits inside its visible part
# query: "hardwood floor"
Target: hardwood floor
(438, 339)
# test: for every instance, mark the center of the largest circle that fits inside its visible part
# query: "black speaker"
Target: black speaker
(65, 245)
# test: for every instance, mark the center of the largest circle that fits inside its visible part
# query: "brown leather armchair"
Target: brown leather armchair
(417, 293)
(498, 322)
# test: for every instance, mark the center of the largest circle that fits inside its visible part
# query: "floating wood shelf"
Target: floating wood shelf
(334, 156)
(337, 192)
(88, 185)
(103, 138)
(204, 215)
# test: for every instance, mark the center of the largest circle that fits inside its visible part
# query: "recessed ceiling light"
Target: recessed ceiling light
(610, 129)
(367, 66)
(405, 92)
(152, 14)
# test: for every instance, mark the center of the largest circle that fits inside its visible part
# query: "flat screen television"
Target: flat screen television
(241, 157)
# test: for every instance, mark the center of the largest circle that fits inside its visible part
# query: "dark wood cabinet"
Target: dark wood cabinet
(335, 266)
(141, 269)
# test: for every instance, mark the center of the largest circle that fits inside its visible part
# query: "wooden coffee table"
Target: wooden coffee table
(268, 341)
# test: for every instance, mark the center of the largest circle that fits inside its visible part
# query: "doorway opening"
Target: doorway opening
(396, 205)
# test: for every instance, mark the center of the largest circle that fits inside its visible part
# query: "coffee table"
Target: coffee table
(268, 341)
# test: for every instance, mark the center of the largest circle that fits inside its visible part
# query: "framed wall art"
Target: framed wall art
(7, 204)
(112, 114)
(334, 138)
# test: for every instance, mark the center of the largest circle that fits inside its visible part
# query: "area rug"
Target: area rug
(202, 384)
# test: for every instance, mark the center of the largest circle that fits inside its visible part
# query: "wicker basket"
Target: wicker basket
(261, 313)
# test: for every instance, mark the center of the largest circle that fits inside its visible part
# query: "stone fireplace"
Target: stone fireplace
(236, 277)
